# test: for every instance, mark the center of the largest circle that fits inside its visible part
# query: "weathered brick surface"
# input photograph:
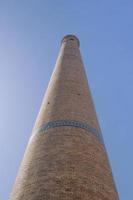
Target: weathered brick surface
(66, 163)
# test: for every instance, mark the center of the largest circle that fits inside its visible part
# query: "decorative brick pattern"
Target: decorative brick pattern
(68, 122)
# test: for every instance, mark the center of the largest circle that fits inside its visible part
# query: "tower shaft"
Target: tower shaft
(66, 158)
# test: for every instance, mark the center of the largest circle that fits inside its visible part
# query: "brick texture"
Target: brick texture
(66, 163)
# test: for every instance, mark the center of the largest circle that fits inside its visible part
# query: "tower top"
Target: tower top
(70, 38)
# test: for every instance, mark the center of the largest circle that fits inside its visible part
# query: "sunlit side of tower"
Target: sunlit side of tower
(66, 157)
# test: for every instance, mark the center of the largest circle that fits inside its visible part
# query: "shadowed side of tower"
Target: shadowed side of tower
(66, 158)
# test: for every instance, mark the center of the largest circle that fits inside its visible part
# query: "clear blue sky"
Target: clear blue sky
(30, 34)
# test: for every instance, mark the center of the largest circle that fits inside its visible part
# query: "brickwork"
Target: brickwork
(66, 162)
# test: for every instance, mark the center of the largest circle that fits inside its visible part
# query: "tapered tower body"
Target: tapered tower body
(66, 157)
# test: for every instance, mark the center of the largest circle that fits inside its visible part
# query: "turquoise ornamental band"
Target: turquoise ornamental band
(68, 122)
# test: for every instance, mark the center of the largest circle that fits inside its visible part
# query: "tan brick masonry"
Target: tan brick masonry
(66, 162)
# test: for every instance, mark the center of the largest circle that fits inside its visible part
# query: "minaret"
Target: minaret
(66, 157)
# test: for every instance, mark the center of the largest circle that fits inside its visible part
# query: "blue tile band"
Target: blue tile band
(68, 122)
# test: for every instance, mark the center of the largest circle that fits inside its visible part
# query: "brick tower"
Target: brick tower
(66, 158)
